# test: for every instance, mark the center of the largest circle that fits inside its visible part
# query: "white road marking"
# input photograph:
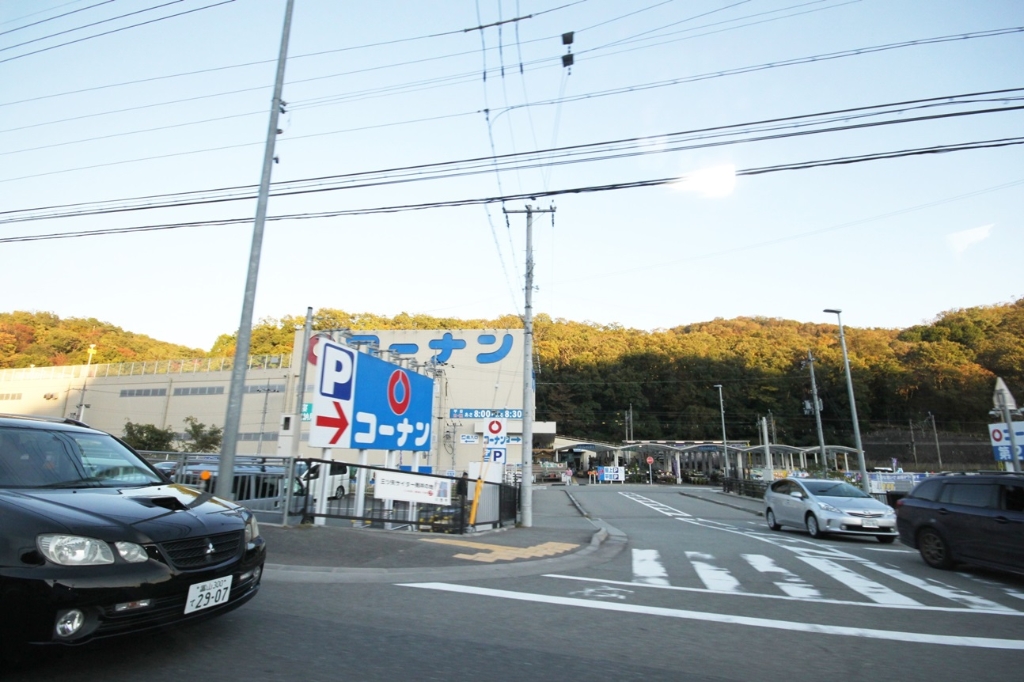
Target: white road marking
(855, 581)
(971, 601)
(758, 595)
(655, 505)
(810, 628)
(715, 578)
(603, 592)
(647, 567)
(791, 583)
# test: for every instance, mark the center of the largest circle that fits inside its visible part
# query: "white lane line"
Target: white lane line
(715, 578)
(758, 595)
(647, 567)
(971, 601)
(810, 628)
(656, 506)
(791, 583)
(855, 581)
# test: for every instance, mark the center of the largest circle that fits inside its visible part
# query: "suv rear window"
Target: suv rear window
(1013, 497)
(969, 494)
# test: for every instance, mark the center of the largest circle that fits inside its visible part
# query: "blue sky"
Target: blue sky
(181, 105)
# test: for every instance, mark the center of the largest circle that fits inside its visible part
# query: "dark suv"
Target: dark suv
(967, 518)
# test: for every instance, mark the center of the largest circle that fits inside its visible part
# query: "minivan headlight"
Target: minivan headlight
(829, 508)
(73, 550)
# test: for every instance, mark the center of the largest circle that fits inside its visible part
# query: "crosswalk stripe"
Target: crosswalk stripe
(888, 636)
(791, 583)
(971, 601)
(714, 577)
(647, 567)
(876, 592)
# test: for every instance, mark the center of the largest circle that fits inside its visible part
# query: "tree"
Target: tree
(149, 437)
(199, 438)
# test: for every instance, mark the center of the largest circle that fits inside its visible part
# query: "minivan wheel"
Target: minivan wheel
(934, 549)
(769, 516)
(340, 492)
(813, 529)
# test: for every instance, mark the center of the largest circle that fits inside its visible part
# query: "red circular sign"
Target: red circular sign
(650, 460)
(997, 435)
(399, 405)
(494, 426)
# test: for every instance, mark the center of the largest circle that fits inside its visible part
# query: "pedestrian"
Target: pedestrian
(568, 475)
(462, 486)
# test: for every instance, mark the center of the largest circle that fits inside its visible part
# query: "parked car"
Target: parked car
(823, 506)
(966, 518)
(95, 542)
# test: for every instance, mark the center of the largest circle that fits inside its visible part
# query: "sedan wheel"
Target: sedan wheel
(934, 549)
(769, 516)
(812, 526)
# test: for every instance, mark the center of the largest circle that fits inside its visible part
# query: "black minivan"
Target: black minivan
(966, 518)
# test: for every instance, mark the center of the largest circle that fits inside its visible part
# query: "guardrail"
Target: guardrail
(744, 487)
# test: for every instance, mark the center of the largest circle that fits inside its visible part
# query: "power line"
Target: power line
(116, 30)
(59, 16)
(85, 26)
(662, 143)
(533, 196)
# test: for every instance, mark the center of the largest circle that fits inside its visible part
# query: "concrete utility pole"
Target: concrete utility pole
(721, 410)
(225, 477)
(1007, 406)
(864, 483)
(80, 415)
(526, 484)
(935, 432)
(913, 444)
(817, 410)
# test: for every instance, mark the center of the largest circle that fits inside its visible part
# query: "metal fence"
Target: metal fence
(744, 487)
(283, 490)
(496, 505)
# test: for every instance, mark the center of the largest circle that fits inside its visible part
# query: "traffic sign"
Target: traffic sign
(650, 460)
(364, 402)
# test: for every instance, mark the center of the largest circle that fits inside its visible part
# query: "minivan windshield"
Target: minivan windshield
(43, 458)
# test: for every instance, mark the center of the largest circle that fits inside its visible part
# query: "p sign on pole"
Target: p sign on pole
(334, 397)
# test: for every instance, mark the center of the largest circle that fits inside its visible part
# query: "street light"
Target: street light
(853, 404)
(721, 409)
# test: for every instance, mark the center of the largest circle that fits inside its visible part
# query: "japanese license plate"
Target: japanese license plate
(870, 523)
(206, 594)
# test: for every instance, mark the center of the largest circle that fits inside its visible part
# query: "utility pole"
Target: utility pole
(226, 470)
(817, 410)
(263, 419)
(80, 415)
(913, 445)
(1006, 407)
(526, 489)
(935, 431)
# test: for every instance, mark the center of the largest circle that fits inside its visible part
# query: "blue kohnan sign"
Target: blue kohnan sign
(364, 403)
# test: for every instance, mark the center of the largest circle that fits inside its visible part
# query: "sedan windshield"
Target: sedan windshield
(38, 458)
(834, 489)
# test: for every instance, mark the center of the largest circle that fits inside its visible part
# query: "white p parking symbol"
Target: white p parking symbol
(336, 371)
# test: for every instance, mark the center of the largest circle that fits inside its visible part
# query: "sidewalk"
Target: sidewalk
(560, 538)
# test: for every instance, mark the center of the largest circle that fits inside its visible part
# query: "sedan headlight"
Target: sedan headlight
(252, 529)
(829, 508)
(73, 550)
(131, 552)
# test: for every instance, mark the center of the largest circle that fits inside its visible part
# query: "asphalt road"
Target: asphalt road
(681, 589)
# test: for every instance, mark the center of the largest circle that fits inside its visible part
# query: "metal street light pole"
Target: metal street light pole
(853, 404)
(935, 433)
(1006, 405)
(725, 450)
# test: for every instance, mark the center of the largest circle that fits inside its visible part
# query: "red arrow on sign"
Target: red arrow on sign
(340, 422)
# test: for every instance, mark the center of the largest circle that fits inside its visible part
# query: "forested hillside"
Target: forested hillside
(588, 375)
